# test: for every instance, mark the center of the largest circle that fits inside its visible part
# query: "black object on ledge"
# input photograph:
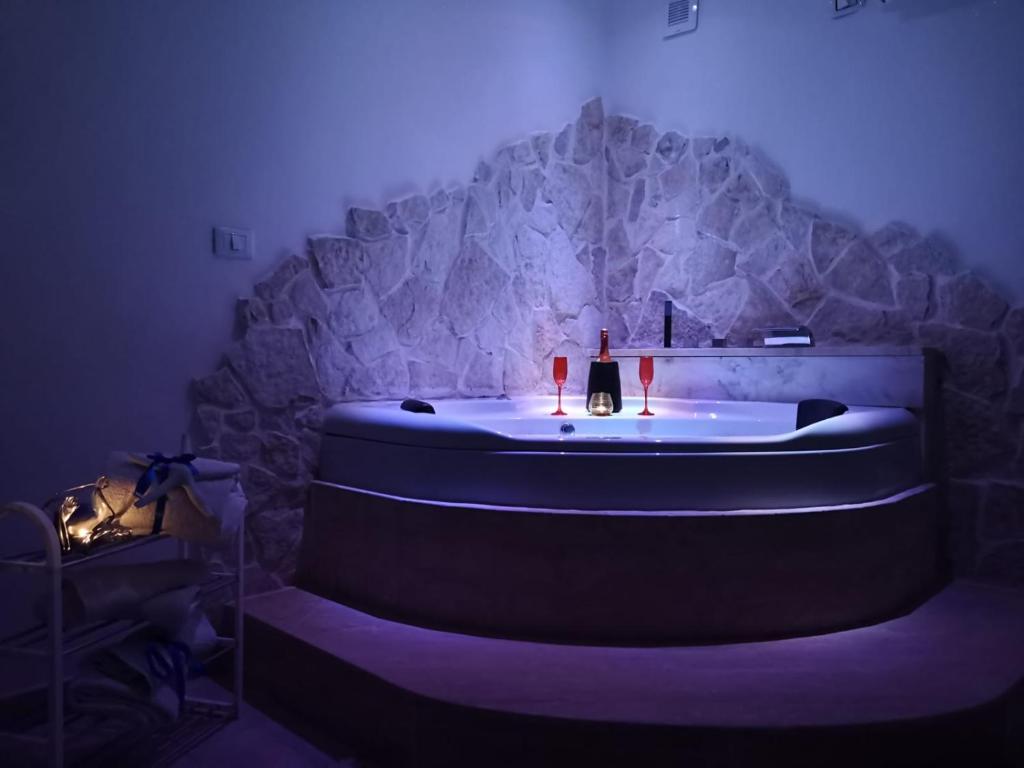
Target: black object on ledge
(604, 377)
(417, 406)
(812, 411)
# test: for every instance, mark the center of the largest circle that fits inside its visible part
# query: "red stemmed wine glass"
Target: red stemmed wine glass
(560, 372)
(646, 377)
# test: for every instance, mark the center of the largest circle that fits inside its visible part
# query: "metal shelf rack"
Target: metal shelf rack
(55, 643)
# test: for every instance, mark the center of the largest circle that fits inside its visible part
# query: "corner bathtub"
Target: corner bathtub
(693, 454)
(708, 522)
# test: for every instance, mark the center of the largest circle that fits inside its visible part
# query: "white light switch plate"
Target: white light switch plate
(233, 243)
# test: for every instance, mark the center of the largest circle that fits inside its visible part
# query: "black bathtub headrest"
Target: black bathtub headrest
(417, 406)
(812, 411)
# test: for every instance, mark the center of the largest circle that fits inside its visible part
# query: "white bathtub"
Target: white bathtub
(692, 455)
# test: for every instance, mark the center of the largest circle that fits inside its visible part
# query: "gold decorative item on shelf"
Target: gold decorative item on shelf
(601, 404)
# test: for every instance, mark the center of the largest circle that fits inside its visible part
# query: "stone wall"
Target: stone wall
(470, 291)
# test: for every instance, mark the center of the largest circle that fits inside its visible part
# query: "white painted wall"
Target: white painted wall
(912, 110)
(128, 129)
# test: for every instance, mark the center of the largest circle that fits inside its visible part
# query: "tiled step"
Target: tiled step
(939, 686)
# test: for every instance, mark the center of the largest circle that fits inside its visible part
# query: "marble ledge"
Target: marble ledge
(850, 351)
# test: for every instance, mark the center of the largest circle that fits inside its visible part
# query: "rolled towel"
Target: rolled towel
(119, 591)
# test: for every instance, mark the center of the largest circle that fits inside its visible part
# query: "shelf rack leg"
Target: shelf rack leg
(239, 656)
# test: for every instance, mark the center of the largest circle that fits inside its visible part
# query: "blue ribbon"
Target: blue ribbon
(157, 472)
(172, 663)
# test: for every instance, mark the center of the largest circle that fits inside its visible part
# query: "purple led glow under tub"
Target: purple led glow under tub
(710, 521)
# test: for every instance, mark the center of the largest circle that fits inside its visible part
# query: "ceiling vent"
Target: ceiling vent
(681, 16)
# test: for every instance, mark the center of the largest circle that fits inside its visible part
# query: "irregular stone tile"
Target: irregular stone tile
(828, 241)
(756, 227)
(1015, 402)
(333, 364)
(796, 225)
(643, 138)
(671, 146)
(543, 218)
(1003, 514)
(240, 421)
(619, 130)
(649, 264)
(797, 284)
(563, 141)
(630, 162)
(687, 330)
(975, 358)
(714, 171)
(718, 305)
(592, 227)
(389, 377)
(307, 298)
(430, 380)
(930, 256)
(893, 238)
(481, 209)
(838, 321)
(413, 212)
(709, 262)
(274, 365)
(675, 235)
(282, 454)
(474, 280)
(271, 287)
(366, 224)
(1013, 327)
(435, 249)
(636, 199)
(533, 181)
(718, 217)
(484, 374)
(219, 388)
(702, 146)
(585, 330)
(567, 188)
(861, 273)
(411, 307)
(760, 310)
(280, 311)
(769, 177)
(618, 199)
(680, 180)
(378, 341)
(484, 172)
(250, 313)
(355, 312)
(674, 278)
(621, 279)
(338, 261)
(546, 334)
(968, 300)
(437, 345)
(914, 296)
(599, 271)
(210, 424)
(572, 285)
(542, 146)
(276, 534)
(764, 257)
(241, 448)
(589, 132)
(520, 375)
(439, 200)
(387, 262)
(978, 441)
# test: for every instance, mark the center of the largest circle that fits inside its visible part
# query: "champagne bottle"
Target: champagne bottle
(604, 375)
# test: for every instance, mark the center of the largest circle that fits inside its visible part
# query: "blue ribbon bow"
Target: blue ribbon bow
(157, 472)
